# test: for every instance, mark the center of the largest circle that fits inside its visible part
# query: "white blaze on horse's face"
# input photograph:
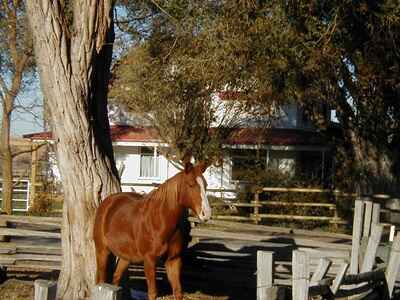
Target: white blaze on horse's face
(205, 213)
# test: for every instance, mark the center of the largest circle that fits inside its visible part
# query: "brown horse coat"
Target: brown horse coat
(140, 228)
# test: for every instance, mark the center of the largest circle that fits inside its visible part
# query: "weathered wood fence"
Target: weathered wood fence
(256, 208)
(318, 266)
(30, 242)
(358, 278)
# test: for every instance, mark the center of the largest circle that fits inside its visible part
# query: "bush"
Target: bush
(42, 205)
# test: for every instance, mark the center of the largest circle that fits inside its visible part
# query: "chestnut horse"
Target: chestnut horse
(140, 228)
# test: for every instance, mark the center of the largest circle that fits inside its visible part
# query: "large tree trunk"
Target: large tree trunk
(7, 163)
(374, 166)
(74, 72)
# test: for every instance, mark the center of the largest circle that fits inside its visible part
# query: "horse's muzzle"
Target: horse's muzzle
(204, 215)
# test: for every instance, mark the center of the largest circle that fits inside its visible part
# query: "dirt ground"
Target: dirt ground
(14, 289)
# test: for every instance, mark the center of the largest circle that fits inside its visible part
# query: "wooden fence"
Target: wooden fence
(30, 242)
(359, 278)
(254, 211)
(34, 243)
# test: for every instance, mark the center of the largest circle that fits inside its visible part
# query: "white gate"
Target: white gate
(20, 199)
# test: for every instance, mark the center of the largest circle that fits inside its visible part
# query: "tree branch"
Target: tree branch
(33, 148)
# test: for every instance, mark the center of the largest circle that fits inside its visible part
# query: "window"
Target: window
(247, 161)
(149, 162)
(283, 161)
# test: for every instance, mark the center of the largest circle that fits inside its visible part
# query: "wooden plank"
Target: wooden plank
(7, 248)
(273, 229)
(38, 257)
(305, 204)
(25, 233)
(233, 218)
(321, 270)
(339, 278)
(211, 233)
(3, 238)
(376, 213)
(106, 291)
(235, 204)
(367, 218)
(38, 249)
(393, 265)
(14, 247)
(6, 259)
(305, 190)
(326, 253)
(35, 265)
(357, 228)
(372, 247)
(295, 217)
(265, 274)
(392, 233)
(300, 275)
(45, 290)
(32, 220)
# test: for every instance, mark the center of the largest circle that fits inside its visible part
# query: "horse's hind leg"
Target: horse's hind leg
(121, 268)
(102, 255)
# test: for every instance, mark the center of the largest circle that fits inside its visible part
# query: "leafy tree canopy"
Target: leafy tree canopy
(342, 55)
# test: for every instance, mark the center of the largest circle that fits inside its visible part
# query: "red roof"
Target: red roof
(275, 136)
(239, 136)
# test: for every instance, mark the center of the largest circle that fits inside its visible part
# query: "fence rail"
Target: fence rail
(28, 242)
(365, 276)
(257, 208)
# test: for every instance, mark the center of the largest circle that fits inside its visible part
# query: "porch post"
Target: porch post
(155, 161)
(34, 161)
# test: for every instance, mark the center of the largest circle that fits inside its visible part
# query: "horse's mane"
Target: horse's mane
(166, 191)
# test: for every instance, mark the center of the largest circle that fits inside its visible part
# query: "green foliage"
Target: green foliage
(339, 54)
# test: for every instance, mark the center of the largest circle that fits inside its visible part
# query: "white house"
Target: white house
(291, 145)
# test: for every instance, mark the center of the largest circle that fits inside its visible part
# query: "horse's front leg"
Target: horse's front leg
(173, 264)
(150, 272)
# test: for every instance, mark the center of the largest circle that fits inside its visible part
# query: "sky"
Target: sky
(28, 119)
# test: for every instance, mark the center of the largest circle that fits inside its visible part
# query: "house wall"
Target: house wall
(128, 160)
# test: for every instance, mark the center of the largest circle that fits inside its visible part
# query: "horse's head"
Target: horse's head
(194, 191)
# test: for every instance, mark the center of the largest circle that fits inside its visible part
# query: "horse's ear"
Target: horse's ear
(186, 162)
(201, 167)
(188, 167)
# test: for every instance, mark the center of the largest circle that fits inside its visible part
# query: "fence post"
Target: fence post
(3, 224)
(339, 278)
(372, 246)
(321, 270)
(45, 290)
(376, 213)
(256, 204)
(357, 228)
(300, 267)
(265, 275)
(393, 265)
(105, 291)
(367, 217)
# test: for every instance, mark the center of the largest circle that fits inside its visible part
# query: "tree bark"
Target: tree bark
(7, 163)
(375, 166)
(74, 72)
